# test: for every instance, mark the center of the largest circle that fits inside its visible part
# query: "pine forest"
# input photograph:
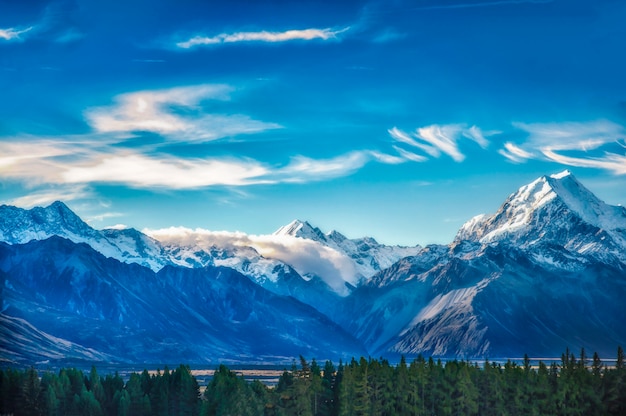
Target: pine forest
(574, 386)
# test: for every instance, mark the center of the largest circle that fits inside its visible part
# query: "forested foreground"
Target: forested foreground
(575, 386)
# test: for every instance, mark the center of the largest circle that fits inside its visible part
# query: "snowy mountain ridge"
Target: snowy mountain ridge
(368, 255)
(546, 269)
(19, 226)
(558, 209)
(296, 249)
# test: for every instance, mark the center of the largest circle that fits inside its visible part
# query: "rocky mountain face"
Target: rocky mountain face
(545, 272)
(99, 307)
(19, 226)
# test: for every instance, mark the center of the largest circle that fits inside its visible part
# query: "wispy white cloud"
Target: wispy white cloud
(262, 36)
(35, 161)
(582, 144)
(404, 154)
(476, 134)
(435, 140)
(439, 139)
(402, 137)
(305, 169)
(156, 111)
(142, 171)
(38, 162)
(515, 153)
(609, 161)
(572, 135)
(44, 197)
(389, 159)
(14, 34)
(107, 155)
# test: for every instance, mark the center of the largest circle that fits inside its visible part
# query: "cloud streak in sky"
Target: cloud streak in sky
(47, 196)
(14, 34)
(174, 113)
(592, 144)
(305, 169)
(435, 140)
(141, 171)
(68, 163)
(262, 36)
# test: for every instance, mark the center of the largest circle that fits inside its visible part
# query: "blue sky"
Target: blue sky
(396, 119)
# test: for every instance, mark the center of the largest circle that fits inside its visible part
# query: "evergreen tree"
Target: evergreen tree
(327, 393)
(465, 393)
(159, 394)
(30, 394)
(615, 386)
(302, 392)
(112, 386)
(187, 391)
(88, 405)
(229, 394)
(137, 406)
(544, 391)
(347, 394)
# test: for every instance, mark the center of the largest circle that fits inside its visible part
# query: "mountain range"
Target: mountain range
(546, 271)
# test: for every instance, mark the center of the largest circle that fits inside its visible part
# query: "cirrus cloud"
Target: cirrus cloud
(262, 36)
(141, 171)
(174, 113)
(46, 162)
(435, 140)
(14, 34)
(593, 144)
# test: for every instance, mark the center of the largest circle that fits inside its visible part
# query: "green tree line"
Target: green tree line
(574, 386)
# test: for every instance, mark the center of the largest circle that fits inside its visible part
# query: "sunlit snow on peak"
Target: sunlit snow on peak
(117, 227)
(561, 175)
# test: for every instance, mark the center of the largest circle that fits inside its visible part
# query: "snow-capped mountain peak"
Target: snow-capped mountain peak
(368, 256)
(19, 225)
(564, 188)
(582, 201)
(555, 208)
(301, 229)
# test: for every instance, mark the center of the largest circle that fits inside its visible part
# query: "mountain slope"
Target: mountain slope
(21, 342)
(502, 303)
(18, 226)
(545, 272)
(127, 311)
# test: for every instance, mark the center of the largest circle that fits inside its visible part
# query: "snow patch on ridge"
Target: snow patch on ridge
(520, 207)
(442, 302)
